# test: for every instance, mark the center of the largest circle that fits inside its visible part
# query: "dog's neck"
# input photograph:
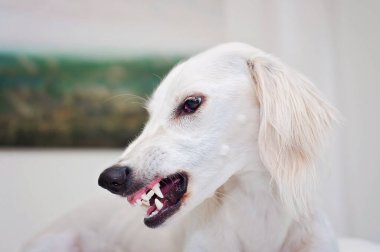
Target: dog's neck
(242, 214)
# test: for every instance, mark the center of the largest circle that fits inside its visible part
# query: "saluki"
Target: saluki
(224, 163)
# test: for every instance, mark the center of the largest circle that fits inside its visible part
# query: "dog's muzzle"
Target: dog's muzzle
(162, 196)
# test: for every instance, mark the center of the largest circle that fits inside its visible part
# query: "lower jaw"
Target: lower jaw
(162, 216)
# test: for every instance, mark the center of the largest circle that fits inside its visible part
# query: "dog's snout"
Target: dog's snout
(115, 179)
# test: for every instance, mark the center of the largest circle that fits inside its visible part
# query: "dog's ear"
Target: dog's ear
(293, 119)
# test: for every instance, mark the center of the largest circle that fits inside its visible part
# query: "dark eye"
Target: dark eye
(191, 104)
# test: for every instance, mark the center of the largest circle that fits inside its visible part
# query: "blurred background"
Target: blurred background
(74, 76)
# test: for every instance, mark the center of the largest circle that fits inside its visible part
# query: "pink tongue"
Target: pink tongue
(151, 209)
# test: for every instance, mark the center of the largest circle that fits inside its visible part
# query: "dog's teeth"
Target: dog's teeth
(158, 203)
(145, 197)
(150, 194)
(154, 213)
(145, 202)
(157, 190)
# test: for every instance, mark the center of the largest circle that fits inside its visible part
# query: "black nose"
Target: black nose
(115, 179)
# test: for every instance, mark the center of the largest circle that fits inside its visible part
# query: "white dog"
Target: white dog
(225, 163)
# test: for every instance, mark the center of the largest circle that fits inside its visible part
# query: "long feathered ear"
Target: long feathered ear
(293, 119)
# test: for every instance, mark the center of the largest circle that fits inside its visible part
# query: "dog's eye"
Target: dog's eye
(191, 104)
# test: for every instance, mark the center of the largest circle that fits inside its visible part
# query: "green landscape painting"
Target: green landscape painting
(58, 101)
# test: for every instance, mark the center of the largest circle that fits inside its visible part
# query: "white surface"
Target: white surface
(38, 186)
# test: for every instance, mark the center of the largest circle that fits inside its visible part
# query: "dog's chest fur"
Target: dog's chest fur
(242, 214)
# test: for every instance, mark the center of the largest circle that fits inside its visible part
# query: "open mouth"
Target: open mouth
(162, 197)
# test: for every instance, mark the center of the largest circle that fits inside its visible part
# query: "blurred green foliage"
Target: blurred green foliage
(63, 101)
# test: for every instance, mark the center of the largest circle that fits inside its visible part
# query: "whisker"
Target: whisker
(218, 201)
(220, 195)
(131, 96)
(156, 75)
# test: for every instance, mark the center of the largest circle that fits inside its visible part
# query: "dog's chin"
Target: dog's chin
(162, 197)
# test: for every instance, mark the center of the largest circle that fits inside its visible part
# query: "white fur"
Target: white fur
(249, 151)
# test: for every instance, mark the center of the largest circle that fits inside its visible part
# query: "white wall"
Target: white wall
(358, 43)
(334, 42)
(110, 27)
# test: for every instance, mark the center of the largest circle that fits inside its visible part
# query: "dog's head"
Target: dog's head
(229, 109)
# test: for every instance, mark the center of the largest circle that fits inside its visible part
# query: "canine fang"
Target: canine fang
(158, 203)
(157, 190)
